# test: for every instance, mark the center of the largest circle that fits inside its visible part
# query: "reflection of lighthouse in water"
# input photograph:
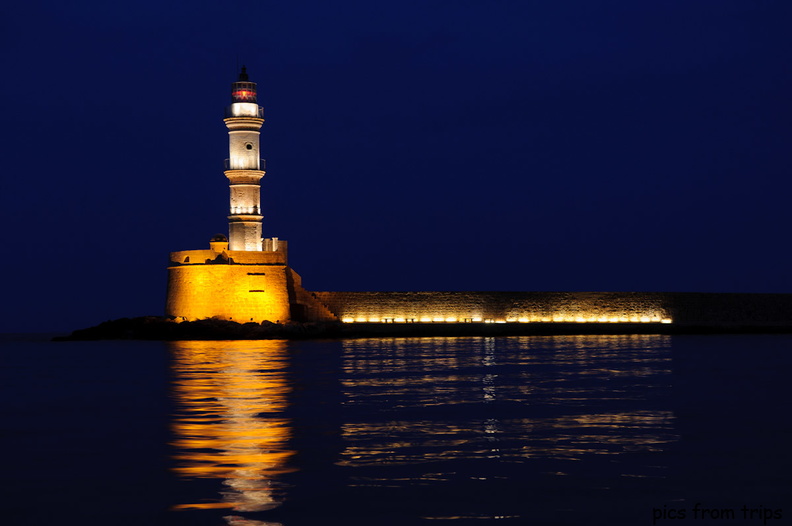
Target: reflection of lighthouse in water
(230, 396)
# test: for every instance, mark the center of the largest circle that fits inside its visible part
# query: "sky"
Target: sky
(562, 145)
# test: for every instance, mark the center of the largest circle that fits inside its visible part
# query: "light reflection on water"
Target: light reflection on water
(510, 399)
(413, 412)
(228, 423)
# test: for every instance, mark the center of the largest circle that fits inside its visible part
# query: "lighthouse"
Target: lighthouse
(244, 166)
(244, 278)
(241, 277)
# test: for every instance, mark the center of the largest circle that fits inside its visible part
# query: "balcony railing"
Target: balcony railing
(262, 165)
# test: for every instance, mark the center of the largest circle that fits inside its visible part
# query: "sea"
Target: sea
(540, 430)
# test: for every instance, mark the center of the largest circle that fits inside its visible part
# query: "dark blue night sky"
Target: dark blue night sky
(413, 145)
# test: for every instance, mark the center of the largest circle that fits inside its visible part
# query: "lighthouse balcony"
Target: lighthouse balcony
(245, 164)
(243, 109)
(245, 210)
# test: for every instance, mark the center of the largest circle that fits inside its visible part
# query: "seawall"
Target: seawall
(680, 309)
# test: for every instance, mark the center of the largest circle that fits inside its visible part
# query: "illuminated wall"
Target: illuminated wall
(497, 307)
(240, 293)
(680, 308)
(241, 286)
(248, 286)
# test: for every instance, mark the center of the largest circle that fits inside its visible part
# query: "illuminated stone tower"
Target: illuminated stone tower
(243, 277)
(244, 166)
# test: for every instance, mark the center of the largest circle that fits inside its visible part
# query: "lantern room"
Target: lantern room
(243, 90)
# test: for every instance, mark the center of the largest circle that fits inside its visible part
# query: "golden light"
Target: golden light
(558, 317)
(228, 424)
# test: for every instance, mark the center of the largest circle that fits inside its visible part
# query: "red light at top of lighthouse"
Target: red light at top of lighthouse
(244, 95)
(243, 90)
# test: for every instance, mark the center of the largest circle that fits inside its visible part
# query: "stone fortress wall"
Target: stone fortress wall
(240, 293)
(259, 286)
(687, 309)
(241, 286)
(249, 286)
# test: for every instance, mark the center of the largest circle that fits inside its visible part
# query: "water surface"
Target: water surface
(526, 430)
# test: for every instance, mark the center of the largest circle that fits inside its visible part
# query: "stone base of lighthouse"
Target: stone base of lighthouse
(241, 286)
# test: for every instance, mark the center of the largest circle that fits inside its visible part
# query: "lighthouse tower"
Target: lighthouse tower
(244, 166)
(241, 277)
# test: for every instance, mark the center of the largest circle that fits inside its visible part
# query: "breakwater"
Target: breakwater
(686, 309)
